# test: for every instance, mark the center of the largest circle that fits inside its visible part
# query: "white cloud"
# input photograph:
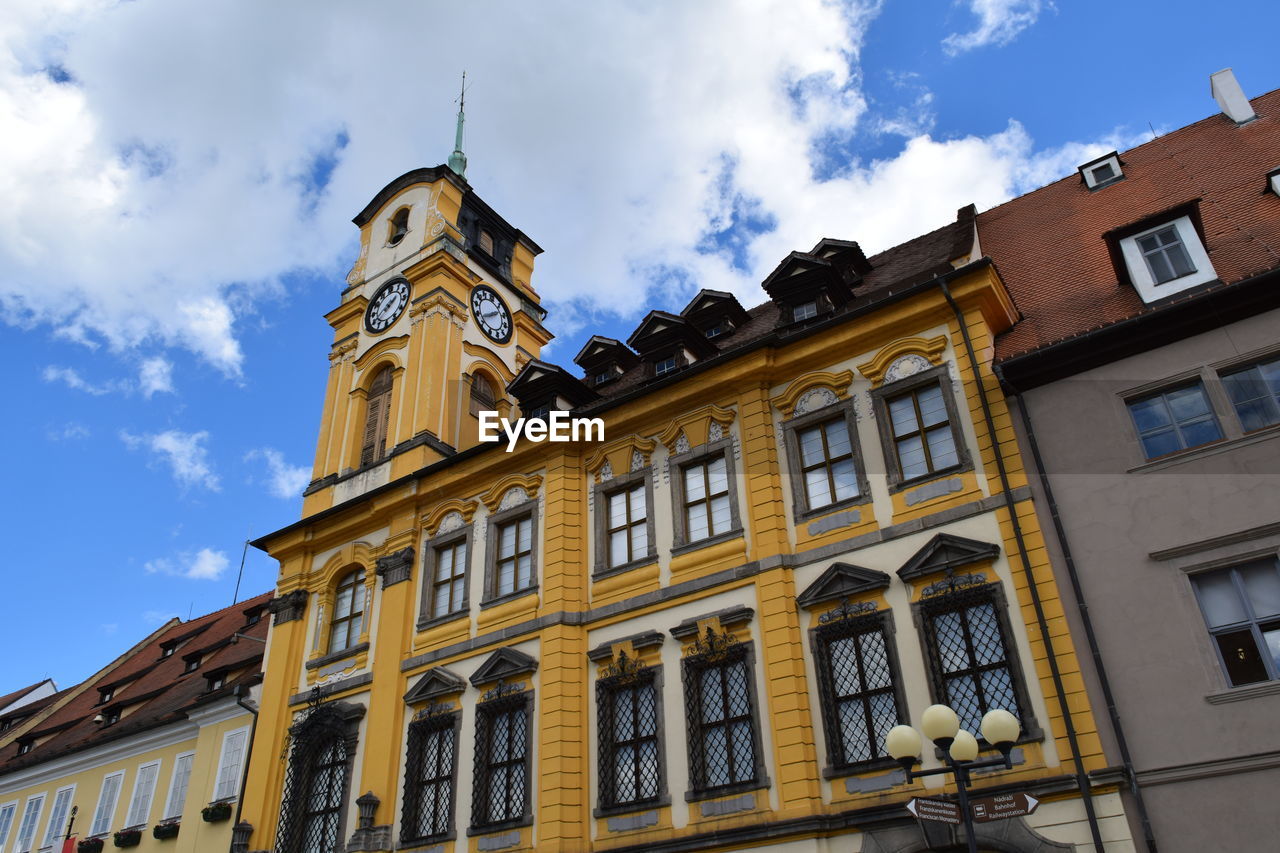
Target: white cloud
(110, 628)
(205, 564)
(157, 617)
(155, 376)
(71, 377)
(184, 452)
(70, 431)
(283, 480)
(182, 172)
(999, 22)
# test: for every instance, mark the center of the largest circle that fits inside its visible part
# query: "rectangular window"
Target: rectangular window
(1165, 255)
(502, 761)
(826, 463)
(7, 812)
(228, 784)
(627, 526)
(514, 566)
(107, 798)
(721, 718)
(57, 818)
(144, 789)
(428, 781)
(923, 439)
(630, 752)
(1174, 420)
(178, 785)
(1241, 607)
(857, 679)
(804, 311)
(449, 579)
(663, 366)
(707, 510)
(27, 829)
(969, 654)
(1255, 393)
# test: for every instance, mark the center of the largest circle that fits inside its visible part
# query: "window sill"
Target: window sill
(488, 828)
(426, 841)
(332, 657)
(631, 808)
(1202, 450)
(704, 543)
(434, 621)
(903, 485)
(827, 509)
(845, 770)
(727, 790)
(1239, 694)
(612, 571)
(510, 596)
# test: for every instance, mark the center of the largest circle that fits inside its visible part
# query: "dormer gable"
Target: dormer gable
(667, 342)
(540, 384)
(946, 552)
(807, 286)
(843, 254)
(504, 663)
(604, 359)
(840, 581)
(715, 313)
(435, 683)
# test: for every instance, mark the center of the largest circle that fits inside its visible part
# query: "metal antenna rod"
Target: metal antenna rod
(244, 553)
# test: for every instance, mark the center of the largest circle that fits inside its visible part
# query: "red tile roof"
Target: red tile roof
(10, 698)
(151, 690)
(1049, 248)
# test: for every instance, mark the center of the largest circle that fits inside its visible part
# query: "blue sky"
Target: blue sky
(178, 193)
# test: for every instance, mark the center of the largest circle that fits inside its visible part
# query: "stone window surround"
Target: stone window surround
(529, 508)
(430, 548)
(761, 778)
(675, 467)
(456, 718)
(836, 768)
(801, 511)
(664, 797)
(526, 819)
(941, 376)
(599, 502)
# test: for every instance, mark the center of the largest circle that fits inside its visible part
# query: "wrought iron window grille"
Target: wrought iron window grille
(624, 669)
(712, 644)
(847, 611)
(630, 750)
(430, 765)
(501, 690)
(321, 748)
(950, 584)
(501, 758)
(720, 714)
(859, 686)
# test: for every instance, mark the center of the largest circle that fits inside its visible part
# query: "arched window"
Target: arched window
(348, 612)
(486, 243)
(399, 226)
(483, 397)
(376, 418)
(322, 748)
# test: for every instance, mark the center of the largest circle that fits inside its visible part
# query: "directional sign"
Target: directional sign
(1003, 806)
(943, 811)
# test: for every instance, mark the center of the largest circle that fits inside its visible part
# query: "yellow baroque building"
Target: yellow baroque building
(148, 753)
(807, 521)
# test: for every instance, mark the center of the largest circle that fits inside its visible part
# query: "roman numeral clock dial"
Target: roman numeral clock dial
(491, 313)
(387, 305)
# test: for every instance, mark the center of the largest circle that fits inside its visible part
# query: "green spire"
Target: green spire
(458, 160)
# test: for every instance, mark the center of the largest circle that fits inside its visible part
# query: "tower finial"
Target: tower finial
(458, 160)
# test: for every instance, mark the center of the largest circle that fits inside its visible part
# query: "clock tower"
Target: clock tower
(438, 315)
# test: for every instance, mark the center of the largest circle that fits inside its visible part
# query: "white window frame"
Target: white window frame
(151, 797)
(169, 811)
(6, 828)
(1140, 273)
(239, 772)
(97, 810)
(39, 800)
(56, 826)
(1088, 169)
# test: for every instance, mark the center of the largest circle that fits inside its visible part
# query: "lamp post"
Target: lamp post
(941, 725)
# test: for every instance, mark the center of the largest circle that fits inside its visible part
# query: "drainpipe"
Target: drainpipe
(1082, 778)
(241, 691)
(1095, 651)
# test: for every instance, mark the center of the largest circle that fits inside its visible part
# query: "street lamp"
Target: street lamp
(941, 725)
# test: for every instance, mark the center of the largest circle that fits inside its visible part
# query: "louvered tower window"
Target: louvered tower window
(483, 397)
(377, 416)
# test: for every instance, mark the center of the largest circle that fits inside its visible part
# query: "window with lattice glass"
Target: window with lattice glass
(373, 446)
(626, 527)
(348, 612)
(858, 685)
(428, 783)
(449, 581)
(826, 463)
(721, 718)
(322, 747)
(513, 566)
(1255, 393)
(707, 509)
(969, 654)
(630, 752)
(502, 761)
(923, 439)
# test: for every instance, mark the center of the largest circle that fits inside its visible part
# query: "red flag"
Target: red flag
(69, 845)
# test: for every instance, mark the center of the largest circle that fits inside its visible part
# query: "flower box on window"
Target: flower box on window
(89, 845)
(165, 830)
(127, 838)
(215, 812)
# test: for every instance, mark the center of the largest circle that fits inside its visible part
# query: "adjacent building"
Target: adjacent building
(1145, 371)
(150, 752)
(807, 521)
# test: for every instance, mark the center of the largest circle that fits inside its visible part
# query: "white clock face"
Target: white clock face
(387, 305)
(491, 313)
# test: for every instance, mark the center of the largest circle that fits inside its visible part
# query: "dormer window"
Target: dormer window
(1099, 173)
(804, 311)
(539, 413)
(24, 747)
(719, 329)
(486, 242)
(1273, 182)
(193, 663)
(106, 695)
(1165, 258)
(253, 617)
(166, 651)
(399, 226)
(217, 682)
(663, 366)
(603, 376)
(1165, 255)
